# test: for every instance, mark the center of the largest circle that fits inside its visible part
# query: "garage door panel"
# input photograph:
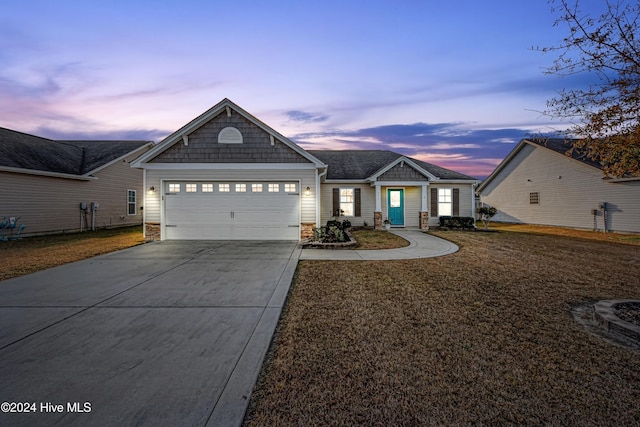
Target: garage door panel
(230, 215)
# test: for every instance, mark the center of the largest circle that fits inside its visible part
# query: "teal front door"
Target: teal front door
(395, 201)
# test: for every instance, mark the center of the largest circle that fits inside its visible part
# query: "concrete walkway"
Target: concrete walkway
(421, 245)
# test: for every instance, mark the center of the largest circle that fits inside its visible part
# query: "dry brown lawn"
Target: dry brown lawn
(20, 257)
(480, 337)
(378, 239)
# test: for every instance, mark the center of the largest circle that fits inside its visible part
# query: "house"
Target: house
(538, 183)
(227, 175)
(51, 186)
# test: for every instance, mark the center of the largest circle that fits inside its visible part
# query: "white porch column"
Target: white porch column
(423, 199)
(378, 201)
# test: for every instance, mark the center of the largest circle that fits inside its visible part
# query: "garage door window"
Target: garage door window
(174, 188)
(191, 188)
(274, 188)
(207, 188)
(224, 188)
(290, 188)
(241, 188)
(256, 188)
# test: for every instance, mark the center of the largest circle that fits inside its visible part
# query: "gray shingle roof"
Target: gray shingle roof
(361, 164)
(24, 151)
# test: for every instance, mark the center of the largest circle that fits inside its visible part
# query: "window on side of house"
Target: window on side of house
(534, 198)
(445, 202)
(131, 202)
(346, 201)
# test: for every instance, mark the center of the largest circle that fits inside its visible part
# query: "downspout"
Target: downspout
(144, 203)
(473, 199)
(318, 193)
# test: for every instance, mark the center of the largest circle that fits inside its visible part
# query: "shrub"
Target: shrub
(464, 222)
(486, 213)
(333, 232)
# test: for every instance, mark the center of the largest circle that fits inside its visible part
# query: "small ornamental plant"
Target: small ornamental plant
(486, 213)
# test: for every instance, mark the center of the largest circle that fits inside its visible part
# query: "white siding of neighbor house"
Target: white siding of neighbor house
(52, 205)
(306, 177)
(568, 189)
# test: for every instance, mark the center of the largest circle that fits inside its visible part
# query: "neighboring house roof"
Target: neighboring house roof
(362, 164)
(563, 146)
(21, 151)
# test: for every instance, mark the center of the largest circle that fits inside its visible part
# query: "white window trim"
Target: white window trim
(450, 203)
(230, 135)
(135, 203)
(353, 201)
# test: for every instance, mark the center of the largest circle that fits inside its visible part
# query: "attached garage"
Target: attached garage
(231, 210)
(227, 176)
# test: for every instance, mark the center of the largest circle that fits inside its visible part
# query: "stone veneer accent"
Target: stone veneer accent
(377, 220)
(306, 229)
(424, 220)
(152, 230)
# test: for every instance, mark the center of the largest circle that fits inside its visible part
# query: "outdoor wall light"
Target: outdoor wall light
(307, 192)
(152, 189)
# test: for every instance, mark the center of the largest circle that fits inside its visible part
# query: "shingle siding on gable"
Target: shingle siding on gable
(402, 173)
(204, 148)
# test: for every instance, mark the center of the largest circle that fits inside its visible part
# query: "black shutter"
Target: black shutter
(336, 202)
(434, 202)
(456, 202)
(356, 208)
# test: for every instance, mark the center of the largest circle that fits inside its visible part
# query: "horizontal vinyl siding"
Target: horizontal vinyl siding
(50, 205)
(306, 178)
(367, 203)
(466, 192)
(412, 204)
(568, 190)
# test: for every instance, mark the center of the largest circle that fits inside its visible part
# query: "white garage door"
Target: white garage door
(227, 210)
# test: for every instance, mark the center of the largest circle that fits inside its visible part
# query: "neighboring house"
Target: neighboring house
(44, 182)
(227, 175)
(537, 183)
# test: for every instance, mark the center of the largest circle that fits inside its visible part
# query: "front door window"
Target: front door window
(395, 207)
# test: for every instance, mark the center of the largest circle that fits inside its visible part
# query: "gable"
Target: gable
(402, 172)
(254, 146)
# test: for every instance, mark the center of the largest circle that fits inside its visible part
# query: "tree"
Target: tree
(605, 117)
(486, 213)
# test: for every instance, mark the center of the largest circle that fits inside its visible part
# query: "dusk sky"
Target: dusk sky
(454, 83)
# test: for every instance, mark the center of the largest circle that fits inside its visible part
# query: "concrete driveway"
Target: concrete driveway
(170, 333)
